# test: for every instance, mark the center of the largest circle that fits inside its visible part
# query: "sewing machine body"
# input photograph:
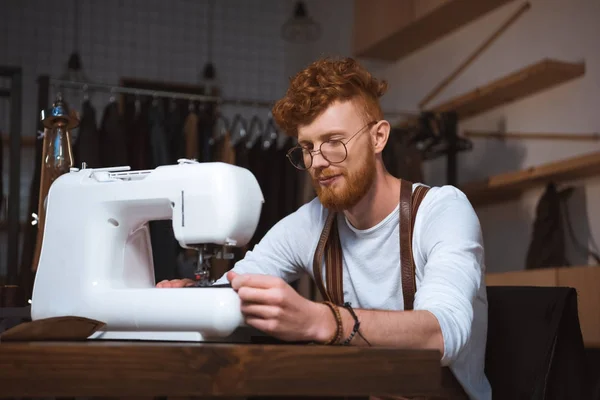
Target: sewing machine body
(96, 259)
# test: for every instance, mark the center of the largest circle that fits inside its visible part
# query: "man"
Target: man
(332, 108)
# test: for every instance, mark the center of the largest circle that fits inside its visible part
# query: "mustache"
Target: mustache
(325, 174)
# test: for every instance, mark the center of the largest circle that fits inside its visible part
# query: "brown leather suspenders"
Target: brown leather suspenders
(329, 247)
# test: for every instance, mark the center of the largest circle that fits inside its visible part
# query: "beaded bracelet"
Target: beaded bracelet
(338, 320)
(356, 324)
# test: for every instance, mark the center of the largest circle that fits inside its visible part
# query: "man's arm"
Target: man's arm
(408, 329)
(448, 242)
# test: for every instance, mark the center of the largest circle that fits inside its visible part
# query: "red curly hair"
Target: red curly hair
(324, 81)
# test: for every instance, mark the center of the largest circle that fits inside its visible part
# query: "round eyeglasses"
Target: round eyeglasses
(332, 150)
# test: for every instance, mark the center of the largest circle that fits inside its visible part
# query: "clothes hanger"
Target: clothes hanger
(238, 131)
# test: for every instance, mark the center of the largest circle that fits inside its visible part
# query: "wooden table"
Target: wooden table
(111, 368)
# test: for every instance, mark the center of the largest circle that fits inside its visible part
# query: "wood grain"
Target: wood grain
(94, 368)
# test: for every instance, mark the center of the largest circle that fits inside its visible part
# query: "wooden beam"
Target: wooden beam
(404, 26)
(482, 47)
(525, 82)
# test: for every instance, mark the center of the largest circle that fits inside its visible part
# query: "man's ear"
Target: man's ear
(379, 135)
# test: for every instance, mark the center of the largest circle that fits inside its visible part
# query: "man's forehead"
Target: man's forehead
(337, 118)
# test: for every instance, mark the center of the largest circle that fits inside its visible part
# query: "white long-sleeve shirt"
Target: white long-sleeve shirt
(449, 259)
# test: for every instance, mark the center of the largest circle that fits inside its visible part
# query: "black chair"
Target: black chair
(535, 347)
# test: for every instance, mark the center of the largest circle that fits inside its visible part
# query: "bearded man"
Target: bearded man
(332, 108)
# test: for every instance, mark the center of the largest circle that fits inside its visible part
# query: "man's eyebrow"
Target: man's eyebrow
(324, 136)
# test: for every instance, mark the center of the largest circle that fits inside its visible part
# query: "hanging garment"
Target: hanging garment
(206, 124)
(223, 150)
(87, 146)
(174, 122)
(261, 162)
(2, 197)
(158, 135)
(190, 134)
(400, 159)
(138, 142)
(242, 154)
(113, 141)
(289, 182)
(547, 246)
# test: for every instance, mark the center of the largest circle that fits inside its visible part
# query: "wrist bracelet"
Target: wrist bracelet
(356, 324)
(338, 321)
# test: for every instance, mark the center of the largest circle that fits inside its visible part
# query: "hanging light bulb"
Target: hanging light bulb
(300, 28)
(57, 158)
(59, 122)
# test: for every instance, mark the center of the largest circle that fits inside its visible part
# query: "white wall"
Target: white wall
(566, 30)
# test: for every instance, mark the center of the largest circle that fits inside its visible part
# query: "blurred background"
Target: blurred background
(500, 99)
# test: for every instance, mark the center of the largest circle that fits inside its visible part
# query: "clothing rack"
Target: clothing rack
(88, 86)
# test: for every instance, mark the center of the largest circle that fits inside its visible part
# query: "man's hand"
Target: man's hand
(175, 283)
(272, 306)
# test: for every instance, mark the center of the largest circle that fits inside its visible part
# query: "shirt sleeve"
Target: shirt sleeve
(282, 251)
(450, 246)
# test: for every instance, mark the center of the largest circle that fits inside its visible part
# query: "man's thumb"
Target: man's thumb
(231, 276)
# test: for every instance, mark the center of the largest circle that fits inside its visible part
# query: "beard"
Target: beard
(349, 188)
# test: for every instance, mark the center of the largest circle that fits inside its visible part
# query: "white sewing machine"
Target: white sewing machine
(96, 259)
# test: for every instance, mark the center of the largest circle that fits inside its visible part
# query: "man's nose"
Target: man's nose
(318, 161)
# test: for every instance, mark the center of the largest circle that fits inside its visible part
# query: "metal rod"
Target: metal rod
(482, 47)
(186, 96)
(534, 135)
(14, 182)
(157, 93)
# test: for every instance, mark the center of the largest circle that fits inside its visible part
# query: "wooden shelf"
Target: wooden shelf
(510, 185)
(390, 30)
(518, 85)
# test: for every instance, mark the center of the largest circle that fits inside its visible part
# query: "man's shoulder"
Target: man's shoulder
(441, 196)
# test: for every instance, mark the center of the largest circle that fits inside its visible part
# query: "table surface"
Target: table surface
(122, 368)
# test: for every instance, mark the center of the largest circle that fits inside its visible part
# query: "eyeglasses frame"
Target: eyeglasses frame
(313, 152)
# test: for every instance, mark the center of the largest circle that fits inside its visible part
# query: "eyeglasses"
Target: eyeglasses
(333, 150)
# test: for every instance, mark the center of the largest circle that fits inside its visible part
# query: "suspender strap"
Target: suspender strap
(406, 264)
(330, 249)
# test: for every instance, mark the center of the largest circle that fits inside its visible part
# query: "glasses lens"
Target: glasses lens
(299, 158)
(334, 151)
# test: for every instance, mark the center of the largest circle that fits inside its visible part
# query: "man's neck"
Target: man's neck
(378, 203)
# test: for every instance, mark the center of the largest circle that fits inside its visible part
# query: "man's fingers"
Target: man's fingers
(253, 310)
(261, 296)
(254, 280)
(264, 325)
(175, 283)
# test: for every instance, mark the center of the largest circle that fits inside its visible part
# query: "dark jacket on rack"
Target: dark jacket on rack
(113, 143)
(87, 146)
(138, 142)
(2, 200)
